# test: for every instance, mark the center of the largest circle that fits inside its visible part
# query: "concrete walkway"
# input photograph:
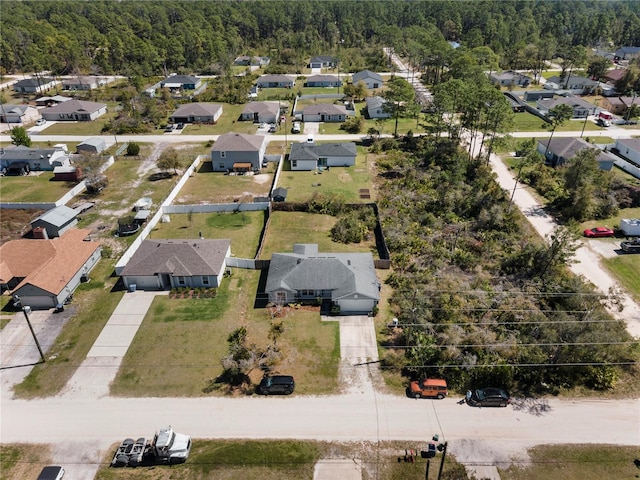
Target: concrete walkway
(93, 378)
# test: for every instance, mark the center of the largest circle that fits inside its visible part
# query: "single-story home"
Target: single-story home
(51, 101)
(43, 273)
(82, 83)
(34, 85)
(535, 95)
(375, 107)
(93, 145)
(574, 83)
(75, 110)
(238, 152)
(56, 221)
(279, 194)
(618, 105)
(345, 282)
(312, 156)
(261, 112)
(255, 61)
(324, 112)
(323, 61)
(581, 108)
(627, 53)
(177, 263)
(34, 158)
(613, 76)
(370, 79)
(181, 82)
(197, 113)
(562, 149)
(323, 81)
(629, 148)
(509, 78)
(23, 114)
(276, 81)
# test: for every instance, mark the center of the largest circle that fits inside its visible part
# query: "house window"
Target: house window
(294, 163)
(223, 154)
(221, 165)
(307, 293)
(205, 280)
(181, 281)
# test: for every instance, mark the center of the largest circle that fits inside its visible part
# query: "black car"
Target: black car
(52, 472)
(277, 384)
(488, 397)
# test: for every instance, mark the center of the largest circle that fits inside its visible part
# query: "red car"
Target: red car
(598, 232)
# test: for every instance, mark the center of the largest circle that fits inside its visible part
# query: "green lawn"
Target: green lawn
(38, 187)
(343, 181)
(190, 337)
(242, 228)
(527, 122)
(625, 269)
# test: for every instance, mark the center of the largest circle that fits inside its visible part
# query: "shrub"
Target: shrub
(133, 149)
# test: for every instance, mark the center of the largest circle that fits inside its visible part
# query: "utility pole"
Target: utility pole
(426, 473)
(26, 309)
(444, 454)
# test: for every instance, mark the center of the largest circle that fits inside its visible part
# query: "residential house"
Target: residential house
(323, 81)
(23, 114)
(370, 79)
(345, 283)
(92, 145)
(627, 53)
(53, 223)
(75, 110)
(615, 105)
(261, 112)
(37, 159)
(51, 101)
(34, 85)
(629, 148)
(581, 108)
(255, 61)
(376, 107)
(561, 150)
(276, 81)
(510, 78)
(238, 152)
(535, 95)
(613, 76)
(573, 83)
(312, 156)
(279, 194)
(323, 61)
(181, 82)
(81, 83)
(43, 273)
(197, 113)
(178, 263)
(324, 112)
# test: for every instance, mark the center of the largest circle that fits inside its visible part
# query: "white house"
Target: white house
(312, 156)
(629, 148)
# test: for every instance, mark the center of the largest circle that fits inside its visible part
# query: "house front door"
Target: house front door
(165, 280)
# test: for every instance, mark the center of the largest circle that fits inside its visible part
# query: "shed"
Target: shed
(279, 194)
(92, 145)
(71, 173)
(56, 221)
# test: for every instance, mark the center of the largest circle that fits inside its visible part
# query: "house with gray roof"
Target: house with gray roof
(510, 78)
(276, 81)
(177, 263)
(34, 85)
(238, 152)
(376, 107)
(311, 156)
(261, 112)
(56, 221)
(181, 82)
(197, 113)
(324, 112)
(30, 158)
(370, 79)
(559, 151)
(627, 53)
(74, 111)
(323, 61)
(573, 83)
(51, 101)
(93, 145)
(18, 113)
(82, 82)
(345, 283)
(581, 108)
(323, 81)
(629, 148)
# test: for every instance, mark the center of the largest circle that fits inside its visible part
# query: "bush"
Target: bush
(133, 149)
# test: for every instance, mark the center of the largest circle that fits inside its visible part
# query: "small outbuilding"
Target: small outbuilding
(56, 221)
(92, 145)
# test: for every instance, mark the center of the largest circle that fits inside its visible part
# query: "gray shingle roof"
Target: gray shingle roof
(322, 78)
(238, 142)
(57, 216)
(197, 109)
(313, 151)
(568, 147)
(326, 108)
(178, 257)
(261, 107)
(364, 74)
(72, 106)
(183, 79)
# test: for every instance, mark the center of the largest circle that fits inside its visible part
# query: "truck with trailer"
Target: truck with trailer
(630, 227)
(167, 447)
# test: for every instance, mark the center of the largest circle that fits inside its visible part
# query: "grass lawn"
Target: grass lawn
(343, 181)
(189, 335)
(228, 122)
(287, 228)
(92, 305)
(23, 460)
(208, 186)
(577, 462)
(242, 228)
(527, 122)
(625, 269)
(35, 187)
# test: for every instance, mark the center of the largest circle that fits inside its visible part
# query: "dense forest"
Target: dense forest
(155, 37)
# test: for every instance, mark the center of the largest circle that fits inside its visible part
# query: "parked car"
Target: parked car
(429, 388)
(273, 129)
(52, 472)
(631, 246)
(170, 128)
(277, 384)
(180, 126)
(599, 232)
(488, 397)
(296, 127)
(40, 121)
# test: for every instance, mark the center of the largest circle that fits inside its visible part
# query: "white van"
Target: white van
(296, 127)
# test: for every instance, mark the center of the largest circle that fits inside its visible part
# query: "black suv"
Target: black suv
(277, 384)
(488, 397)
(631, 247)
